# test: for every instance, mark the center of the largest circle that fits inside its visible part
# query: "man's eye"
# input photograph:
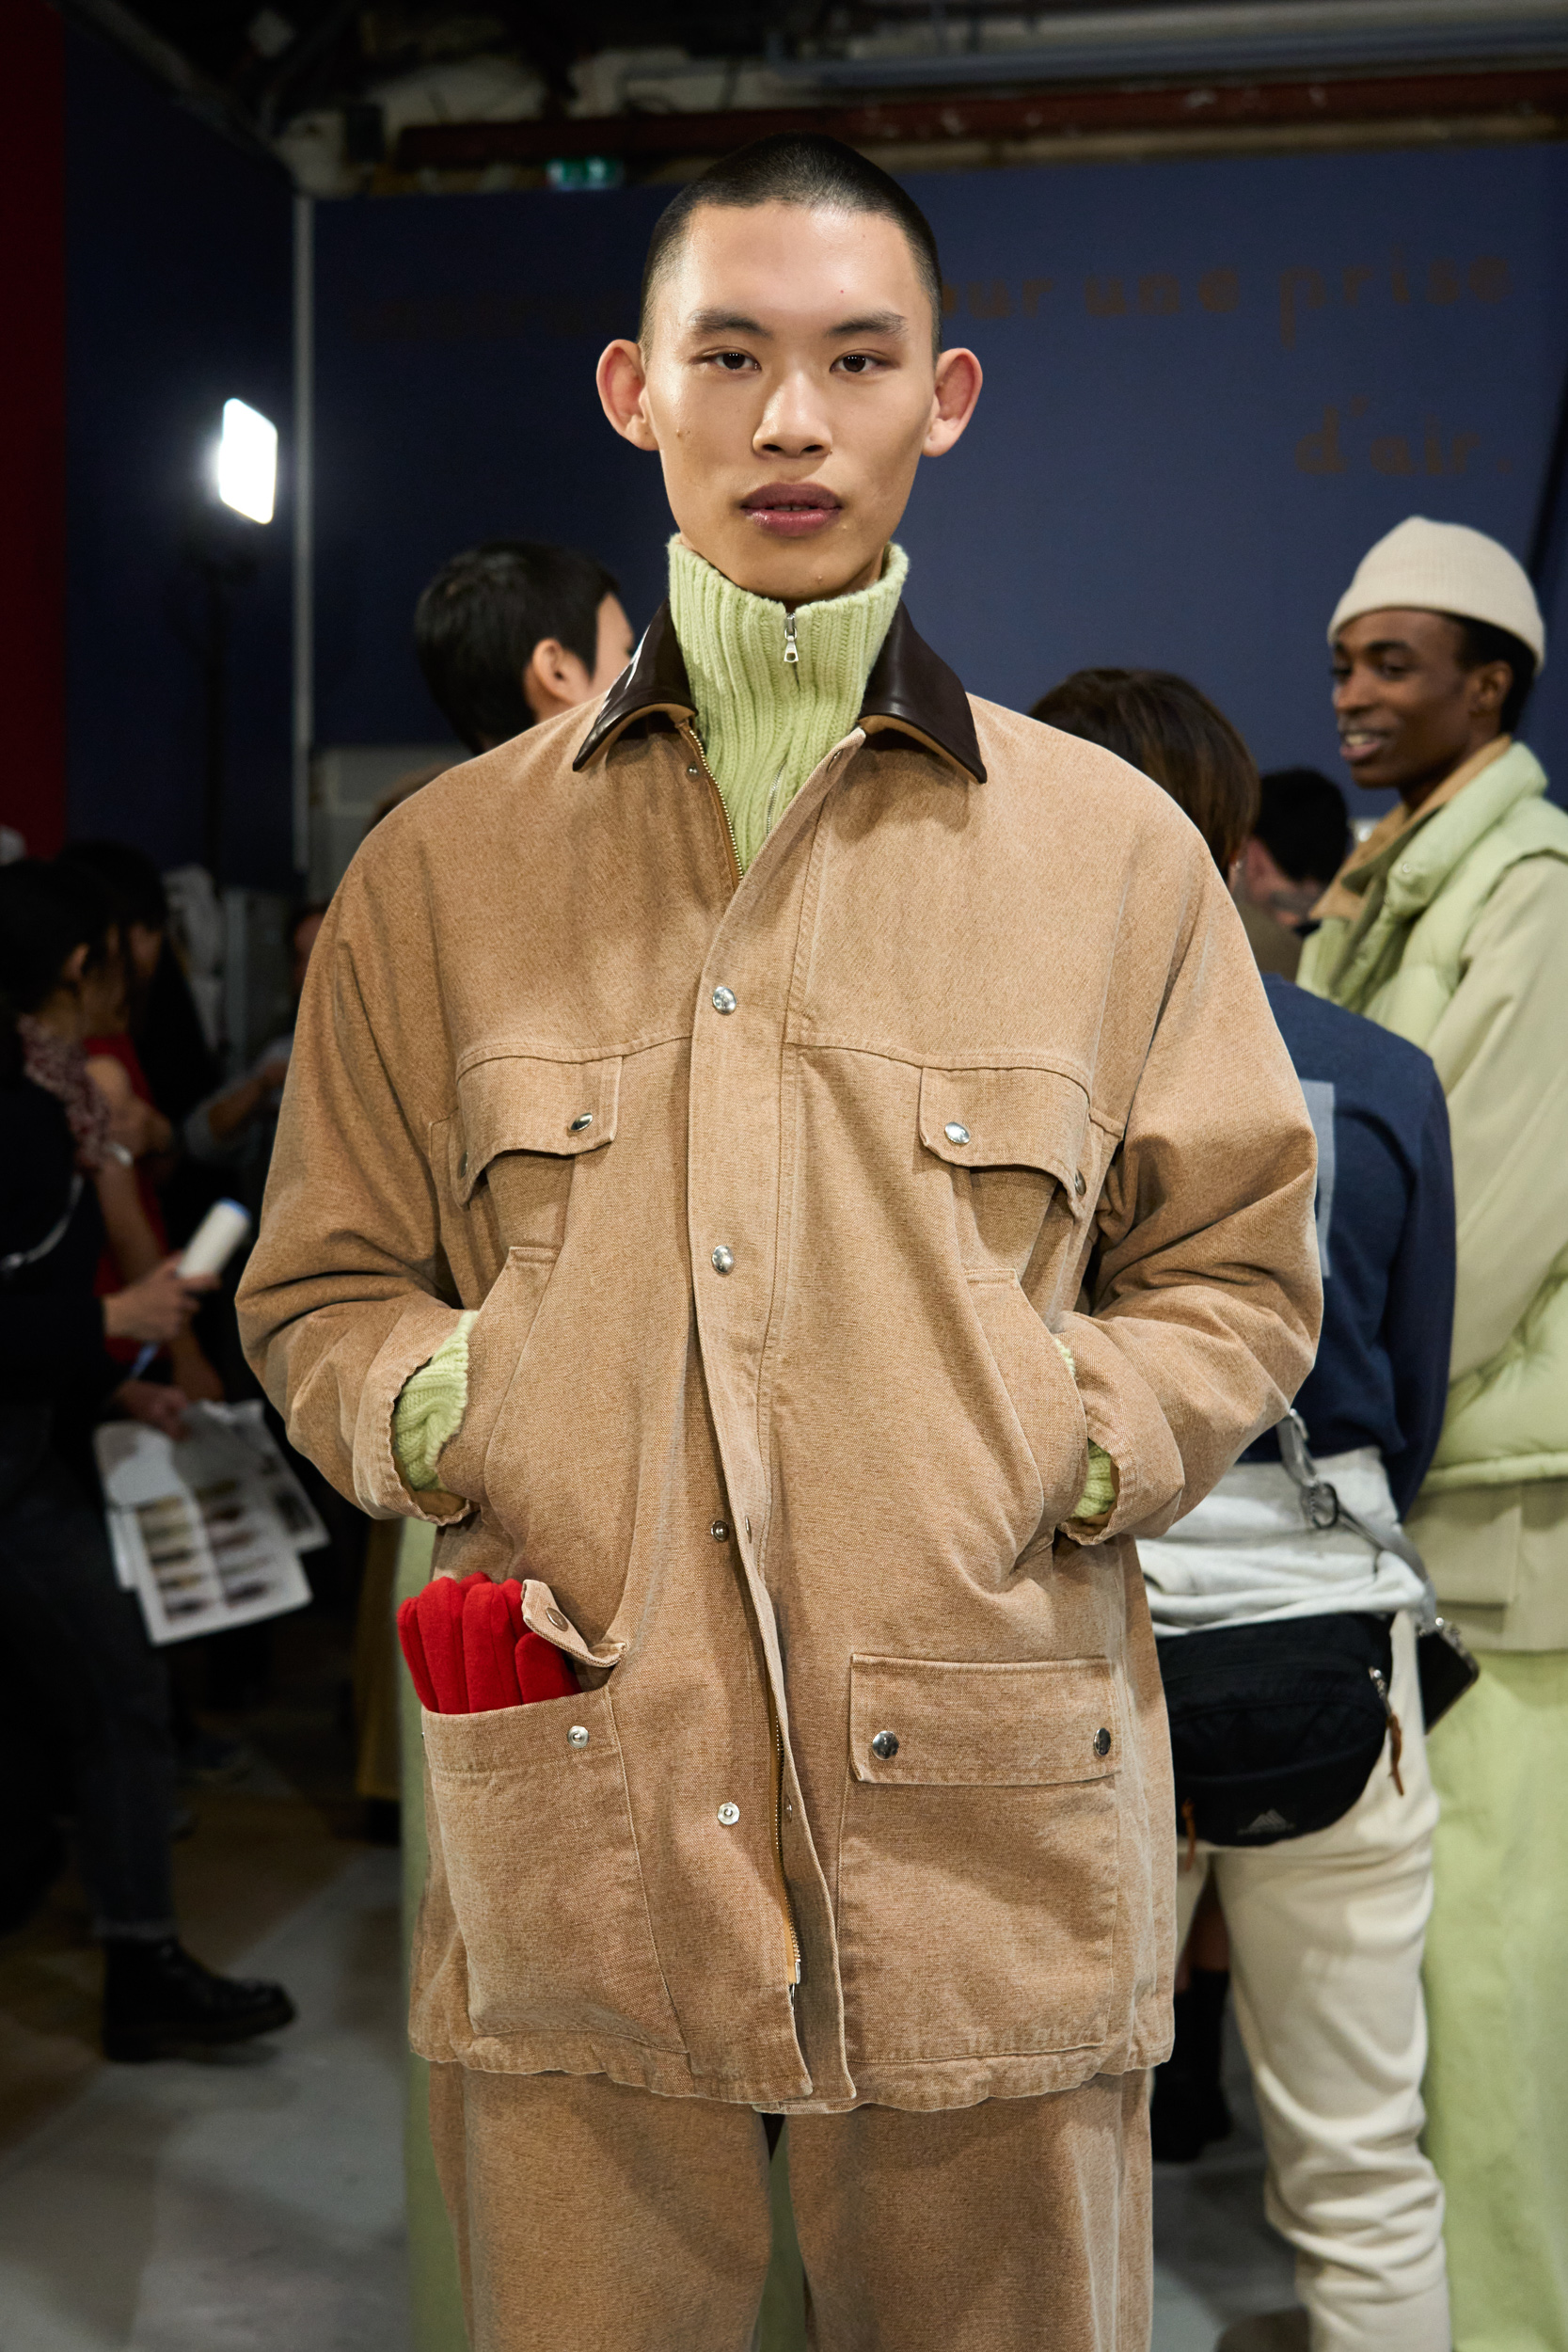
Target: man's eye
(732, 361)
(857, 364)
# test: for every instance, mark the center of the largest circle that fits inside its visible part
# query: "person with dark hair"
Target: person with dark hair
(1325, 1930)
(1162, 725)
(1449, 925)
(514, 630)
(72, 1638)
(130, 1195)
(1298, 845)
(761, 1164)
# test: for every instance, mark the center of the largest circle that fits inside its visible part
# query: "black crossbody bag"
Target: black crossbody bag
(1276, 1728)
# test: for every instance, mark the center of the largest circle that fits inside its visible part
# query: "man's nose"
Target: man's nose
(1352, 691)
(793, 424)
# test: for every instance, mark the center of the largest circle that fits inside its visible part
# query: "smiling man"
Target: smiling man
(1450, 924)
(796, 1164)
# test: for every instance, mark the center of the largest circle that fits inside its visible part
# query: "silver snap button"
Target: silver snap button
(719, 1531)
(556, 1618)
(955, 1130)
(723, 1260)
(583, 1118)
(724, 1000)
(577, 1736)
(1102, 1741)
(693, 771)
(885, 1744)
(729, 1814)
(1078, 1184)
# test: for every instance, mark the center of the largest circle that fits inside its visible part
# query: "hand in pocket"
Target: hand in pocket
(469, 1652)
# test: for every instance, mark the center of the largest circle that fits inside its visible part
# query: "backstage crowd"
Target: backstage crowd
(1386, 1908)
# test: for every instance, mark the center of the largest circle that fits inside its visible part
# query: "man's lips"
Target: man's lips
(791, 510)
(1360, 743)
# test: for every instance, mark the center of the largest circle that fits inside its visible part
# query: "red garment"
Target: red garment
(471, 1653)
(121, 1048)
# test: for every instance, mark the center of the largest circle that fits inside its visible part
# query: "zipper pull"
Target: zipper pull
(792, 651)
(1396, 1730)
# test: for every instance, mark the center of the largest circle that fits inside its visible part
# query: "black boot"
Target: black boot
(1189, 2108)
(160, 2002)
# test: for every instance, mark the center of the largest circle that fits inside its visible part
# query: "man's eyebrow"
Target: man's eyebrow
(874, 323)
(726, 323)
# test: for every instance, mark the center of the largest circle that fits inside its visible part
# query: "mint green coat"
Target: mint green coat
(1462, 946)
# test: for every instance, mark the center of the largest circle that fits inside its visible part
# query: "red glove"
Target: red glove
(469, 1652)
(543, 1671)
(492, 1627)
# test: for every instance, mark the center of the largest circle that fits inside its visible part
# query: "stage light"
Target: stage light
(247, 461)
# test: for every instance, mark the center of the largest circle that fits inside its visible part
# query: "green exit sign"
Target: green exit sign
(585, 172)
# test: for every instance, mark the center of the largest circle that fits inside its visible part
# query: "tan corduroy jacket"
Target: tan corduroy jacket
(770, 1197)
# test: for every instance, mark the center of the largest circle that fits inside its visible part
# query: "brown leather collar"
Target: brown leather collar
(910, 691)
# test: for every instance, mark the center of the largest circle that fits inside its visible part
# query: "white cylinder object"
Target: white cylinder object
(216, 1239)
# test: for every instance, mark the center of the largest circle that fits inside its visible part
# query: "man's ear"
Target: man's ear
(957, 388)
(554, 679)
(623, 393)
(1489, 686)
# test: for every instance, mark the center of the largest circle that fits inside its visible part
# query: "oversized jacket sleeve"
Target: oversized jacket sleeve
(1204, 1293)
(1500, 1053)
(347, 1290)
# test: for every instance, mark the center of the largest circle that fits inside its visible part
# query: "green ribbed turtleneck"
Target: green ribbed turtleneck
(765, 722)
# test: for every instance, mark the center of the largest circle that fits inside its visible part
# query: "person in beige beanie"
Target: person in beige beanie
(1449, 925)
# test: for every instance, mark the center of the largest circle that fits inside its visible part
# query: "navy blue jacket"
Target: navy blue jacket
(1386, 1236)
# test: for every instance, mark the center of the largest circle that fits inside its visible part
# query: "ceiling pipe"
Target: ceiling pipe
(1220, 37)
(940, 120)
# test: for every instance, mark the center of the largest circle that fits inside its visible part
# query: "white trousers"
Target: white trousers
(1326, 1959)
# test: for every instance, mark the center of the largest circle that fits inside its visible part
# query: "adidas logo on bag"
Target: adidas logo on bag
(1269, 1824)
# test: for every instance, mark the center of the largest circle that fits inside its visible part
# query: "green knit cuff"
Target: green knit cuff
(430, 1408)
(1100, 1488)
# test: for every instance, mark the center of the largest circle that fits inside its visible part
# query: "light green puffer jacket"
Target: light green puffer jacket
(1462, 946)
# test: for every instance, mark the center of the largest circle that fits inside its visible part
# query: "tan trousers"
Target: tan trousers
(591, 2217)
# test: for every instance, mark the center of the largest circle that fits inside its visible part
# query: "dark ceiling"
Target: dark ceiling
(281, 57)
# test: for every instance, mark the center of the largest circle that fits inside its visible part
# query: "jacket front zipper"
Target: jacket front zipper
(694, 747)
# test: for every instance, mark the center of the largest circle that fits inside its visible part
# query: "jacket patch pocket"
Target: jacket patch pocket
(977, 1873)
(523, 1123)
(542, 1866)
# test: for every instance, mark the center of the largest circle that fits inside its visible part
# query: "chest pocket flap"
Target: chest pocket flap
(522, 1103)
(1009, 1118)
(925, 1722)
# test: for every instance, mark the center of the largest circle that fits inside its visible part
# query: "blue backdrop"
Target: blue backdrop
(1210, 387)
(179, 265)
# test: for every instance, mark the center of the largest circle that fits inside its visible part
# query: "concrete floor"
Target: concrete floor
(250, 2204)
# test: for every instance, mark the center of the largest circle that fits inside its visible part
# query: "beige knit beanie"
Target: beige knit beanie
(1424, 566)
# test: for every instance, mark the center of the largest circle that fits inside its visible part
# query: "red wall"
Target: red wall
(32, 427)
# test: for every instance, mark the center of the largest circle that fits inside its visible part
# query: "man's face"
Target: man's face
(790, 391)
(1408, 713)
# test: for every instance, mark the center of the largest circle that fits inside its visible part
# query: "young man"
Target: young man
(772, 1057)
(513, 631)
(1450, 924)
